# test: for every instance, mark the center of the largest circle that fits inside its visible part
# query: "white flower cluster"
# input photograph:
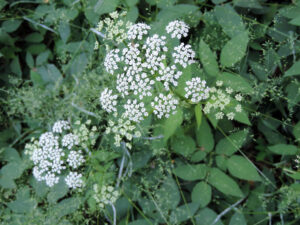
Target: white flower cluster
(169, 75)
(55, 153)
(137, 31)
(115, 28)
(111, 60)
(74, 180)
(220, 100)
(178, 29)
(123, 131)
(164, 105)
(196, 90)
(184, 55)
(108, 101)
(107, 195)
(135, 111)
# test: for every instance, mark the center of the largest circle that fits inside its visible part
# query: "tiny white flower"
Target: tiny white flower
(178, 29)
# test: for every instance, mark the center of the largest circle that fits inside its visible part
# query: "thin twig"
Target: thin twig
(39, 24)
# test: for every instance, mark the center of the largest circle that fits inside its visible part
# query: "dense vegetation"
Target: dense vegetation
(202, 129)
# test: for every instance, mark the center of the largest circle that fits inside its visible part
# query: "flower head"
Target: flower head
(196, 90)
(178, 29)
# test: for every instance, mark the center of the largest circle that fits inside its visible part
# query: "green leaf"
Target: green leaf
(230, 21)
(131, 3)
(42, 58)
(204, 136)
(198, 114)
(16, 67)
(242, 117)
(64, 31)
(218, 1)
(140, 222)
(11, 25)
(49, 73)
(29, 60)
(224, 183)
(191, 172)
(79, 64)
(234, 50)
(221, 162)
(184, 145)
(172, 123)
(168, 195)
(241, 168)
(202, 194)
(229, 145)
(36, 78)
(237, 219)
(103, 6)
(198, 156)
(294, 70)
(57, 191)
(295, 21)
(283, 149)
(236, 82)
(207, 216)
(66, 207)
(183, 213)
(23, 203)
(296, 131)
(34, 37)
(208, 59)
(254, 4)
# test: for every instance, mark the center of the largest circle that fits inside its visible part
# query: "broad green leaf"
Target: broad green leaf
(236, 82)
(64, 31)
(254, 4)
(12, 170)
(198, 114)
(49, 73)
(229, 145)
(218, 1)
(172, 123)
(36, 78)
(241, 168)
(202, 194)
(230, 21)
(34, 37)
(224, 183)
(11, 25)
(295, 175)
(65, 207)
(283, 149)
(40, 188)
(208, 59)
(237, 219)
(184, 145)
(168, 195)
(23, 203)
(204, 136)
(29, 60)
(295, 21)
(242, 117)
(79, 64)
(206, 216)
(183, 213)
(140, 222)
(296, 131)
(131, 2)
(42, 58)
(191, 172)
(9, 155)
(294, 70)
(16, 67)
(234, 50)
(103, 6)
(221, 162)
(57, 191)
(198, 156)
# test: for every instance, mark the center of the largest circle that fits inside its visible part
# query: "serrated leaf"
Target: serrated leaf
(224, 183)
(294, 70)
(234, 50)
(283, 149)
(241, 168)
(57, 191)
(208, 59)
(168, 195)
(229, 145)
(184, 145)
(202, 194)
(229, 20)
(236, 82)
(204, 136)
(191, 172)
(23, 203)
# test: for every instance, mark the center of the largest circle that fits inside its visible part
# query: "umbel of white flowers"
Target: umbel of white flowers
(59, 152)
(149, 67)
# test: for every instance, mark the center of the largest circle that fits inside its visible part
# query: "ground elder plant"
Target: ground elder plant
(61, 153)
(146, 70)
